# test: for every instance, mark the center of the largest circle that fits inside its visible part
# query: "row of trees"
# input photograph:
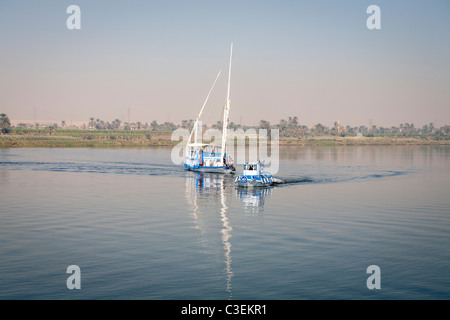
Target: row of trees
(292, 128)
(287, 128)
(99, 124)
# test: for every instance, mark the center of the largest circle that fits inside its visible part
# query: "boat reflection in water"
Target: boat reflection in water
(253, 199)
(210, 196)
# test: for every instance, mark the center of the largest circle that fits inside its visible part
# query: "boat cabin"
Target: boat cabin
(203, 155)
(252, 169)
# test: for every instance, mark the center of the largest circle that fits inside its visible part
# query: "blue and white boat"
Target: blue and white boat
(208, 157)
(253, 176)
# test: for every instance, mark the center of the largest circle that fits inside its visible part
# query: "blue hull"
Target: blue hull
(224, 169)
(253, 184)
(254, 181)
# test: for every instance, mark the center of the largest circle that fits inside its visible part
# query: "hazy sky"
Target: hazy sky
(313, 59)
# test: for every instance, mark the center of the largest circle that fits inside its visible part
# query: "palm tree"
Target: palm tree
(5, 124)
(91, 123)
(116, 124)
(319, 128)
(191, 124)
(282, 125)
(154, 125)
(264, 124)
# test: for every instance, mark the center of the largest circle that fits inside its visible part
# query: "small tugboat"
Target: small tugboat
(253, 176)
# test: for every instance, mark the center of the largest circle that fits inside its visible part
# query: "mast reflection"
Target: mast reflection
(210, 193)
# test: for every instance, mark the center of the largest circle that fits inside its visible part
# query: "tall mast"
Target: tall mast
(226, 110)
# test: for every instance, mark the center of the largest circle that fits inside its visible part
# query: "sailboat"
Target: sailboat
(208, 157)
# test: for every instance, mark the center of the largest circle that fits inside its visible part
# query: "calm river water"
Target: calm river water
(140, 227)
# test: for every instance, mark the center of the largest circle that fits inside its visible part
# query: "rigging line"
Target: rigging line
(201, 110)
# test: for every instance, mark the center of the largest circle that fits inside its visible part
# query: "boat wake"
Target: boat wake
(281, 181)
(135, 168)
(163, 169)
(289, 181)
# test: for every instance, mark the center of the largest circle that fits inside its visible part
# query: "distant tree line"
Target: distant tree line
(288, 128)
(293, 129)
(117, 125)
